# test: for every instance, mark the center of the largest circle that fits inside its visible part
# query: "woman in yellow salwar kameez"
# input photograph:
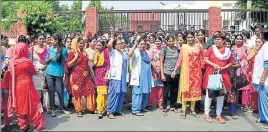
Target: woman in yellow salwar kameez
(190, 62)
(102, 66)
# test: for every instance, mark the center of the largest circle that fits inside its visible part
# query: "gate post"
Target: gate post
(92, 20)
(214, 20)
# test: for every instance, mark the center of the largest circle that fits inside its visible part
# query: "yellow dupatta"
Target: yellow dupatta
(99, 59)
(184, 72)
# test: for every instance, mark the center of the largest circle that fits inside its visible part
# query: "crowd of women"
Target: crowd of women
(156, 68)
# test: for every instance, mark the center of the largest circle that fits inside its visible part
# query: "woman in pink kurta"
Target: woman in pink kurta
(157, 90)
(241, 52)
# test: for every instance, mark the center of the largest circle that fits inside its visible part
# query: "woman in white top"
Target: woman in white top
(39, 53)
(141, 77)
(260, 78)
(118, 78)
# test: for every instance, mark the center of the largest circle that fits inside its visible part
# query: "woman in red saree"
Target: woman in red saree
(81, 83)
(102, 65)
(23, 97)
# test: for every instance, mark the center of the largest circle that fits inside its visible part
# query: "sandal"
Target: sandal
(183, 115)
(79, 114)
(111, 116)
(193, 113)
(265, 127)
(164, 113)
(234, 116)
(175, 110)
(208, 119)
(100, 116)
(220, 119)
(258, 121)
(65, 112)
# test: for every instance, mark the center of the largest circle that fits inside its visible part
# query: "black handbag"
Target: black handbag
(240, 81)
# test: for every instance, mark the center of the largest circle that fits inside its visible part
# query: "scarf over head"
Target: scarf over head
(21, 55)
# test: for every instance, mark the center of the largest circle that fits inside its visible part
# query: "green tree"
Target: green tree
(96, 4)
(75, 22)
(242, 4)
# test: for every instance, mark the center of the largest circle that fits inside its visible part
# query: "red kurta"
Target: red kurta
(26, 95)
(221, 63)
(80, 80)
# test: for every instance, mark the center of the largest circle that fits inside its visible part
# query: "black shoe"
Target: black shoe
(7, 128)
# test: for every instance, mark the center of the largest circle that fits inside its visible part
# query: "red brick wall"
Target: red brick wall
(214, 20)
(91, 20)
(144, 19)
(16, 28)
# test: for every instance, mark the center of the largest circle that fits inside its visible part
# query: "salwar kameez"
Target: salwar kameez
(81, 83)
(117, 90)
(157, 90)
(191, 75)
(102, 65)
(140, 94)
(262, 102)
(29, 108)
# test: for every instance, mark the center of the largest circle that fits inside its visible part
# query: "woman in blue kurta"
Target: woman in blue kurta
(260, 78)
(118, 77)
(55, 60)
(140, 78)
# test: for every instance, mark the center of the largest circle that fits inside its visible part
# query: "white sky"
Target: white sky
(132, 5)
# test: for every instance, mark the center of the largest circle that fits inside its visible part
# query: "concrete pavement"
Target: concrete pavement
(151, 121)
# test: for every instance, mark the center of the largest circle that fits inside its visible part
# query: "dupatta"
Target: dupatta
(184, 75)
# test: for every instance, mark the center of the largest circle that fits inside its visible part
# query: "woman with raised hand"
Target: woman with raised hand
(81, 83)
(259, 78)
(141, 77)
(118, 78)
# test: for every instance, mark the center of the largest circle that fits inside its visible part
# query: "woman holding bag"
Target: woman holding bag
(217, 57)
(241, 52)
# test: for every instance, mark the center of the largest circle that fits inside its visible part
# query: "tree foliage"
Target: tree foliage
(42, 16)
(75, 22)
(242, 4)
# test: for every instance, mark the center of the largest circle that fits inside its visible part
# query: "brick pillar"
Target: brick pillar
(92, 20)
(21, 29)
(214, 20)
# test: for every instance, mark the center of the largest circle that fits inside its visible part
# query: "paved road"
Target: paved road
(152, 121)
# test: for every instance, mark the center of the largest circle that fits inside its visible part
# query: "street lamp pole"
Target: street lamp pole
(249, 6)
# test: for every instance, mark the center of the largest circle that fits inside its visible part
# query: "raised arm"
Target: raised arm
(131, 51)
(72, 59)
